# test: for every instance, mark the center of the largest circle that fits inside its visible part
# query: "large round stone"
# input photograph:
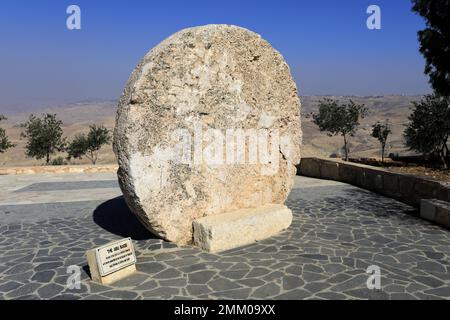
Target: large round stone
(209, 122)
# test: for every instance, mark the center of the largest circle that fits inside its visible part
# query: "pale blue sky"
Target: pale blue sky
(326, 43)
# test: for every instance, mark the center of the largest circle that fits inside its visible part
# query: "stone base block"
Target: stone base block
(241, 227)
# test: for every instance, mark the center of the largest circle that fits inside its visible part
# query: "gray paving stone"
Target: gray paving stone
(295, 270)
(23, 290)
(197, 289)
(251, 282)
(440, 292)
(50, 290)
(150, 267)
(43, 276)
(431, 266)
(355, 282)
(402, 296)
(312, 277)
(161, 293)
(179, 283)
(201, 277)
(296, 294)
(167, 274)
(96, 288)
(292, 282)
(47, 266)
(332, 296)
(9, 286)
(429, 281)
(240, 294)
(69, 185)
(132, 281)
(66, 296)
(20, 268)
(94, 297)
(149, 285)
(234, 274)
(367, 294)
(314, 256)
(315, 287)
(222, 284)
(258, 272)
(337, 231)
(267, 291)
(120, 294)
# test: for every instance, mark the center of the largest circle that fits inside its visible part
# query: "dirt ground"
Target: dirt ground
(430, 173)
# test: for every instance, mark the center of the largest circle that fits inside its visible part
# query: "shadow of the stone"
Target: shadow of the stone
(87, 271)
(114, 216)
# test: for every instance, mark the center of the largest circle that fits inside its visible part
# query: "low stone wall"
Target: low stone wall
(437, 211)
(403, 187)
(58, 169)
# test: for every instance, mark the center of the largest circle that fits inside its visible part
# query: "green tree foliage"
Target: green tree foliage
(59, 161)
(339, 119)
(5, 144)
(44, 136)
(90, 145)
(435, 42)
(428, 129)
(381, 131)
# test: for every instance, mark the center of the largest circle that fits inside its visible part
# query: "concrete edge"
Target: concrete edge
(58, 169)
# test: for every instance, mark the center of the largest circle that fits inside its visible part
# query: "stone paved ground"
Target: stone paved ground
(47, 224)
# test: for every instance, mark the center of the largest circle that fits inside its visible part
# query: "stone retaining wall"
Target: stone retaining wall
(58, 169)
(403, 187)
(437, 211)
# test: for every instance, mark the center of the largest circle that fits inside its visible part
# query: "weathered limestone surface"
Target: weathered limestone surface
(241, 227)
(203, 80)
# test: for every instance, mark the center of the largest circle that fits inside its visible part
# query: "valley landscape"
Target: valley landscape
(78, 116)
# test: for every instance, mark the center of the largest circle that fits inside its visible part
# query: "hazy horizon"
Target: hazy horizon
(41, 107)
(327, 45)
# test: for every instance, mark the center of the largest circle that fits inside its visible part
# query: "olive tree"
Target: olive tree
(428, 129)
(5, 144)
(44, 136)
(381, 131)
(89, 145)
(339, 119)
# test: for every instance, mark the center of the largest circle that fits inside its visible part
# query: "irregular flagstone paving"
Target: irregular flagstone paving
(338, 231)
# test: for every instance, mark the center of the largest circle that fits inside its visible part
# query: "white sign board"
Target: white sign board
(115, 256)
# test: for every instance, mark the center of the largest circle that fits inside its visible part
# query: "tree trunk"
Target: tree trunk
(345, 147)
(444, 163)
(446, 154)
(442, 155)
(48, 158)
(382, 152)
(93, 157)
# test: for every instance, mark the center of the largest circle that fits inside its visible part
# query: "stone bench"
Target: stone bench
(435, 210)
(225, 231)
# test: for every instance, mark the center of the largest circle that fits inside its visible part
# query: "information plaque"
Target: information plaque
(112, 261)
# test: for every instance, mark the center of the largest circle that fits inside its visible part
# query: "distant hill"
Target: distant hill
(394, 108)
(78, 116)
